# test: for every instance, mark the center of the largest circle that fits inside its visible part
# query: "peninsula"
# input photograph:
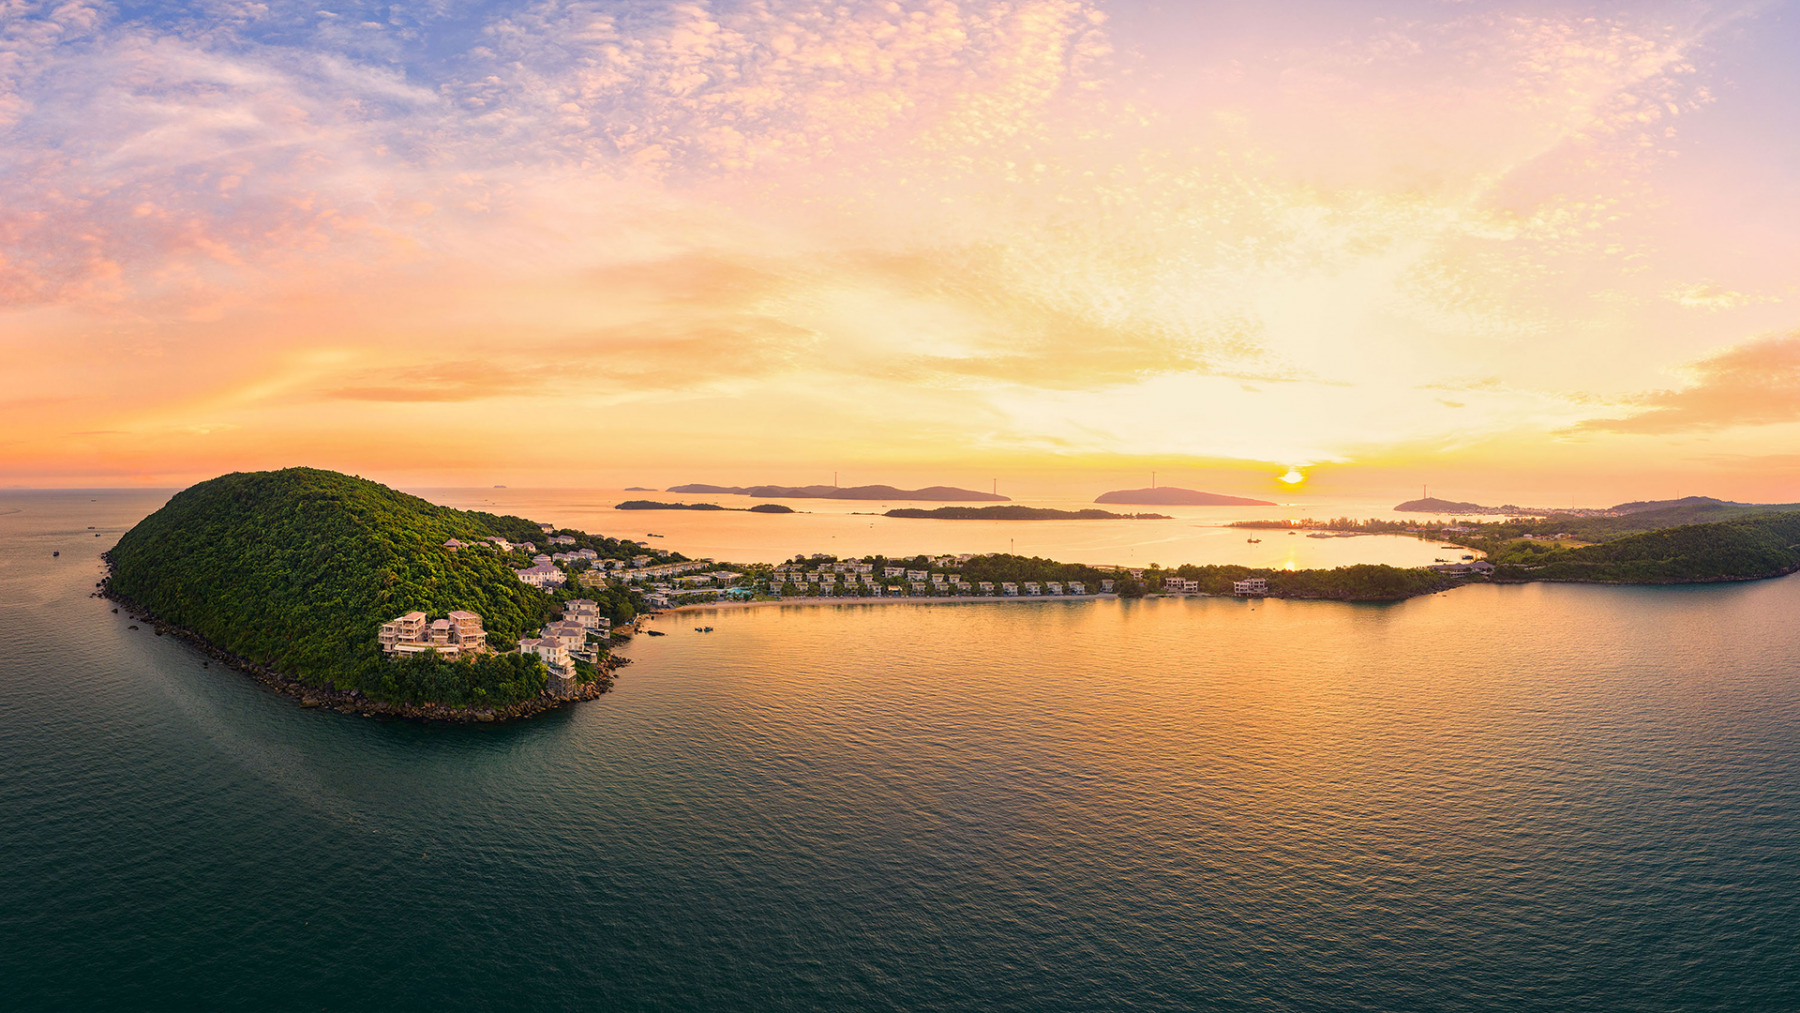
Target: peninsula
(929, 494)
(345, 593)
(1168, 495)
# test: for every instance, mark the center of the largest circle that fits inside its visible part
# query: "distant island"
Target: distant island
(929, 494)
(1433, 505)
(296, 576)
(638, 488)
(646, 504)
(1692, 509)
(1017, 513)
(1168, 495)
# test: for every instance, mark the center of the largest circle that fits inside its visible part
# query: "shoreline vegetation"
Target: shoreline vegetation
(289, 575)
(354, 702)
(1017, 513)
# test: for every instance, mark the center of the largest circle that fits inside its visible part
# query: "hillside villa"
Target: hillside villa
(456, 636)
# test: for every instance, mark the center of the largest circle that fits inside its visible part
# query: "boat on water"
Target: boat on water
(654, 633)
(1252, 541)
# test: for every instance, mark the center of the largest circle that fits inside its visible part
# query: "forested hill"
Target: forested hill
(1750, 547)
(1600, 529)
(297, 569)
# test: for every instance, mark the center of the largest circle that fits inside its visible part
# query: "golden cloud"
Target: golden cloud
(1755, 384)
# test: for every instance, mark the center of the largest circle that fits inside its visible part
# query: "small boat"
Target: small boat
(57, 553)
(1253, 541)
(654, 633)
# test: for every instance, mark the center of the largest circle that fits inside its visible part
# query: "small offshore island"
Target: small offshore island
(325, 587)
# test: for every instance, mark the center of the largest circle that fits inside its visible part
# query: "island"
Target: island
(1168, 495)
(1017, 513)
(1433, 505)
(929, 494)
(646, 504)
(311, 581)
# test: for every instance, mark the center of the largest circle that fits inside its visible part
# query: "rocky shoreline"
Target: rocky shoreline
(352, 702)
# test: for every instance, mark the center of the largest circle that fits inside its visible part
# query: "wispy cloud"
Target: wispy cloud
(1754, 384)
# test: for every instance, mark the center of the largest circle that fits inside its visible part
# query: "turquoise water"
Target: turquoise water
(1535, 798)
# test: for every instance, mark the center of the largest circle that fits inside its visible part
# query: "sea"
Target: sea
(1499, 798)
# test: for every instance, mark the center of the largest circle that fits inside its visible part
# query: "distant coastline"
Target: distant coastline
(646, 504)
(1017, 513)
(1168, 495)
(929, 494)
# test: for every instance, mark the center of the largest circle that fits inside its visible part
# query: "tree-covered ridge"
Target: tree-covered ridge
(297, 569)
(1753, 546)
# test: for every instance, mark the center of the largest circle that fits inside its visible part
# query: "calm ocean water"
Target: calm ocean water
(848, 527)
(1533, 798)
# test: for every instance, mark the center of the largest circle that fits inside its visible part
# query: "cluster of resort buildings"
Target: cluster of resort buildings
(562, 643)
(559, 644)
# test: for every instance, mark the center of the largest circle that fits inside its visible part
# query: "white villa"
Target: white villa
(1255, 587)
(453, 637)
(543, 575)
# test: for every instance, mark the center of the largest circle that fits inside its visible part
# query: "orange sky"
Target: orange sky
(1537, 252)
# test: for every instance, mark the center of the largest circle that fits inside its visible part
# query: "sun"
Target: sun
(1293, 477)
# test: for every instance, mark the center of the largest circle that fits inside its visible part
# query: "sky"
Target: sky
(1531, 252)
